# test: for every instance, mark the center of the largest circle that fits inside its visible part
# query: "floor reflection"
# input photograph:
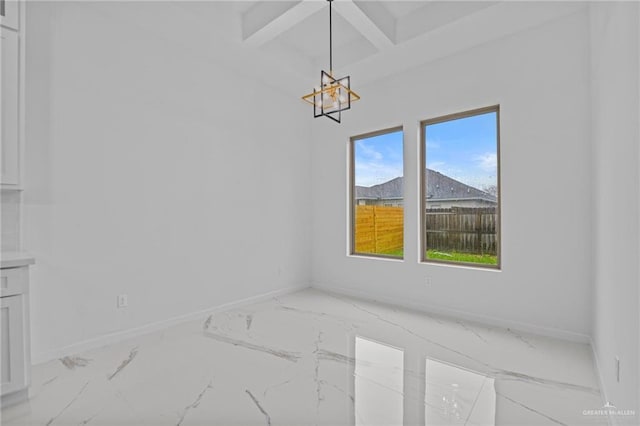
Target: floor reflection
(379, 382)
(385, 389)
(456, 396)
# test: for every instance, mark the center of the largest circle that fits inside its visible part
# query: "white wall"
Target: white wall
(615, 128)
(10, 221)
(152, 171)
(540, 79)
(146, 176)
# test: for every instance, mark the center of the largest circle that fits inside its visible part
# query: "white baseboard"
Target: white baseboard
(14, 398)
(119, 336)
(461, 315)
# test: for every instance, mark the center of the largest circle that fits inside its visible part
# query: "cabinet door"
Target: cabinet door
(12, 338)
(10, 123)
(9, 10)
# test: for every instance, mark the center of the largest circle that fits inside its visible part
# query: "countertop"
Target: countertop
(13, 259)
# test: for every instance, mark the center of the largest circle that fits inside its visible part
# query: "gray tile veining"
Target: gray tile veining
(123, 364)
(289, 356)
(314, 358)
(194, 404)
(53, 419)
(71, 362)
(255, 401)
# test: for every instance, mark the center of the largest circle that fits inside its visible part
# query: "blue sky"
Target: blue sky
(464, 149)
(378, 159)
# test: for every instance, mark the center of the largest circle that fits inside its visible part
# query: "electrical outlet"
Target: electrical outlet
(428, 281)
(618, 369)
(123, 301)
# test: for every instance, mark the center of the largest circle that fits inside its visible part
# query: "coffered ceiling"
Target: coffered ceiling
(286, 43)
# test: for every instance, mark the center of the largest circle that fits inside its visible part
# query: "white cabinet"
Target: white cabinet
(9, 14)
(10, 95)
(15, 357)
(12, 332)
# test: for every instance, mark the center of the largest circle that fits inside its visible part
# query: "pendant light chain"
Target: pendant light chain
(330, 40)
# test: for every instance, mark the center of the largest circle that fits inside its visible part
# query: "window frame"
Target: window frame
(352, 191)
(422, 152)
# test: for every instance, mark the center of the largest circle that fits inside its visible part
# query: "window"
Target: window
(377, 213)
(461, 188)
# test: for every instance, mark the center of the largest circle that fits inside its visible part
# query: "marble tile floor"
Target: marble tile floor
(316, 358)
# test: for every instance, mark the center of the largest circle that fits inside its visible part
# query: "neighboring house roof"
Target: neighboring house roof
(439, 187)
(386, 191)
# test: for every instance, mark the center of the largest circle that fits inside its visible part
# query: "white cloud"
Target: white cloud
(488, 162)
(374, 167)
(368, 152)
(433, 144)
(439, 166)
(369, 174)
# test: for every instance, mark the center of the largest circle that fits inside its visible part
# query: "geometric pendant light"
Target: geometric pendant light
(334, 95)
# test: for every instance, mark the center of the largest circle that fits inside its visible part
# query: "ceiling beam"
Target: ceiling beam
(266, 20)
(381, 16)
(362, 22)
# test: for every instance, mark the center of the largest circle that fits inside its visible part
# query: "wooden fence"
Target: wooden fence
(379, 229)
(462, 229)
